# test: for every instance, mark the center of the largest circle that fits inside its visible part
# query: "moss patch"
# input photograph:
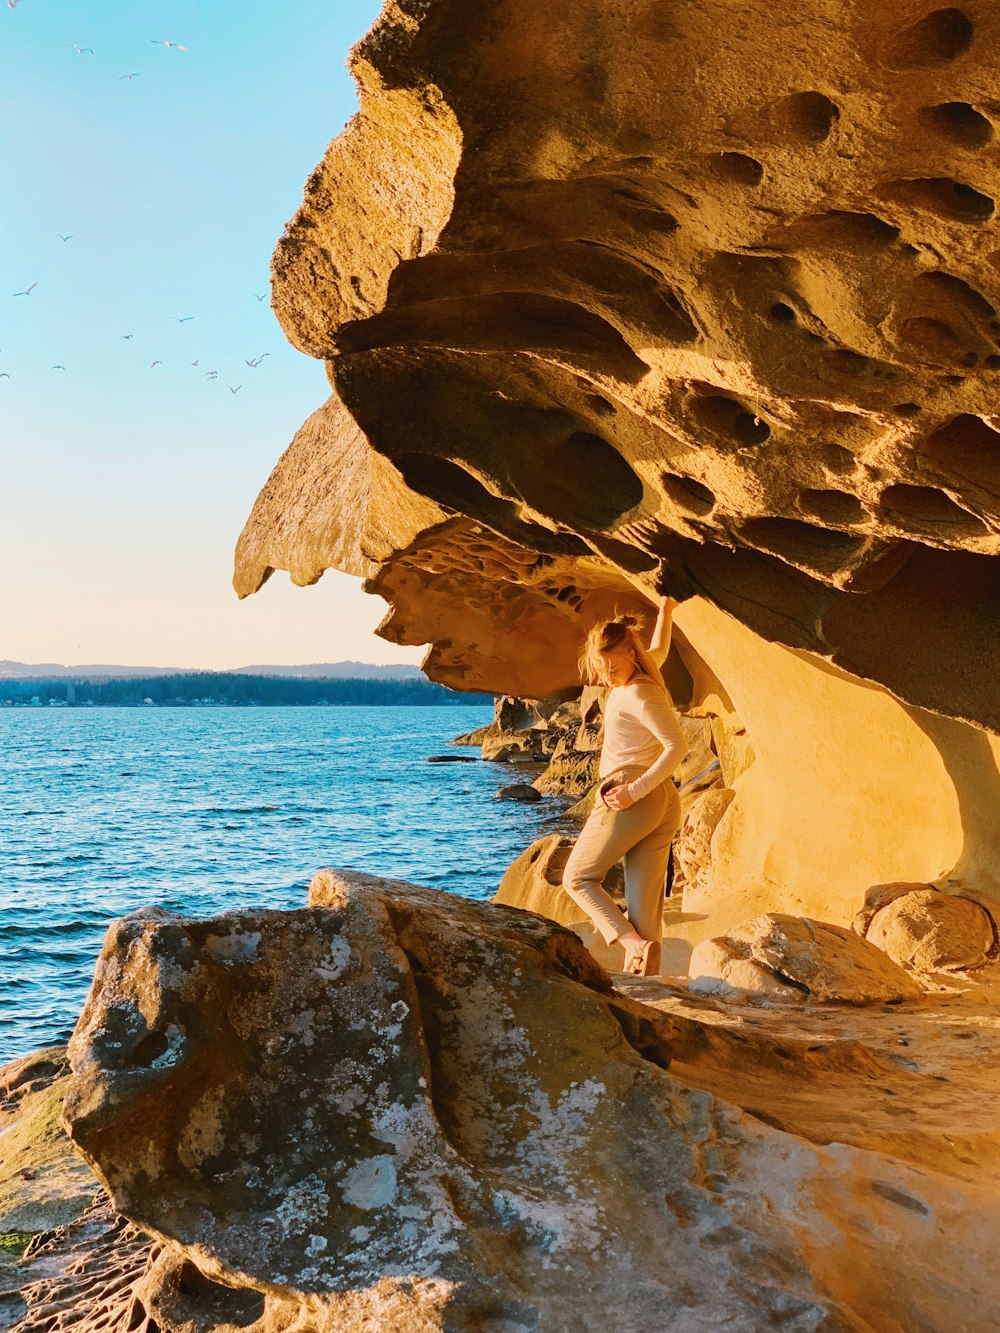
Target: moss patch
(14, 1242)
(44, 1181)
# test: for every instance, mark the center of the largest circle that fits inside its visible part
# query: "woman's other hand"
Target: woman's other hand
(617, 798)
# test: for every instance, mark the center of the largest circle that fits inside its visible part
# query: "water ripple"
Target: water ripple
(201, 813)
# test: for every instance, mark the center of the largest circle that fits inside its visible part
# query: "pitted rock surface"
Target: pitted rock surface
(712, 305)
(399, 1105)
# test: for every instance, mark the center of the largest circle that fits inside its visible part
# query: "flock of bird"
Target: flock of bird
(252, 362)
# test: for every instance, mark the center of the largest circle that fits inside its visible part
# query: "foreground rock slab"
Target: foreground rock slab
(401, 1109)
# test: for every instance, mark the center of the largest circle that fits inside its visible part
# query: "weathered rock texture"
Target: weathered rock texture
(794, 958)
(927, 930)
(614, 299)
(397, 1109)
(89, 1275)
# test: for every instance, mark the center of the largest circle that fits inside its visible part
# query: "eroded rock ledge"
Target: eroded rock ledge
(396, 1108)
(615, 301)
(626, 289)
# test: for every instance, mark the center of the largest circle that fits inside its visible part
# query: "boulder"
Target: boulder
(930, 931)
(534, 881)
(569, 771)
(780, 956)
(294, 1097)
(474, 737)
(519, 791)
(397, 1108)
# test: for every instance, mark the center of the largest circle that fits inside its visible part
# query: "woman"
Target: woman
(636, 808)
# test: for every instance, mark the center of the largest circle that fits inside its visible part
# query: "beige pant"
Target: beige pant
(641, 836)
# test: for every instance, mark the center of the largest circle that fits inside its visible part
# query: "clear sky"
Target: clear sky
(123, 485)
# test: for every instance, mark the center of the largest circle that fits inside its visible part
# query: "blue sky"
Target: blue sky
(124, 486)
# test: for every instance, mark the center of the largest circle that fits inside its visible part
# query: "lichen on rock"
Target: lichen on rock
(423, 1112)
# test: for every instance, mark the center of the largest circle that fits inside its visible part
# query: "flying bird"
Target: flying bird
(211, 374)
(182, 319)
(232, 390)
(194, 363)
(130, 77)
(3, 374)
(27, 291)
(123, 337)
(62, 237)
(57, 367)
(81, 50)
(155, 363)
(176, 45)
(259, 298)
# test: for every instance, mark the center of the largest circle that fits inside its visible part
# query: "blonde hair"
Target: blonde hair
(607, 635)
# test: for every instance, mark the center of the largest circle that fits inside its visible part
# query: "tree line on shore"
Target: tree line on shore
(204, 689)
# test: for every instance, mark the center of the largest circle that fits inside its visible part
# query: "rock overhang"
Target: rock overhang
(623, 287)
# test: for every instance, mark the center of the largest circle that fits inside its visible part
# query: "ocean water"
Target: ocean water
(205, 810)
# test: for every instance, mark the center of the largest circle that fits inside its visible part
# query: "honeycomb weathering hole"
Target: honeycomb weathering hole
(677, 325)
(934, 339)
(839, 228)
(584, 483)
(239, 1306)
(806, 116)
(959, 123)
(730, 419)
(961, 292)
(925, 507)
(933, 40)
(738, 168)
(968, 450)
(948, 199)
(802, 543)
(832, 506)
(688, 493)
(152, 1046)
(442, 480)
(836, 457)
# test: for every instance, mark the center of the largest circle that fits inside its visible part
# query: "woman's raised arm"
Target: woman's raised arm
(660, 644)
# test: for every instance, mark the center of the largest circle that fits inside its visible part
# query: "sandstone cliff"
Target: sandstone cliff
(614, 298)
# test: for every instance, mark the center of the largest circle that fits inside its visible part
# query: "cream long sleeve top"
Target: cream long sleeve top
(641, 727)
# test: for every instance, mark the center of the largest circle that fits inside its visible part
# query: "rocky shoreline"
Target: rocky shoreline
(445, 1112)
(614, 301)
(795, 1086)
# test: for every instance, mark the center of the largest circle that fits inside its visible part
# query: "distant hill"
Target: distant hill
(314, 671)
(334, 670)
(232, 689)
